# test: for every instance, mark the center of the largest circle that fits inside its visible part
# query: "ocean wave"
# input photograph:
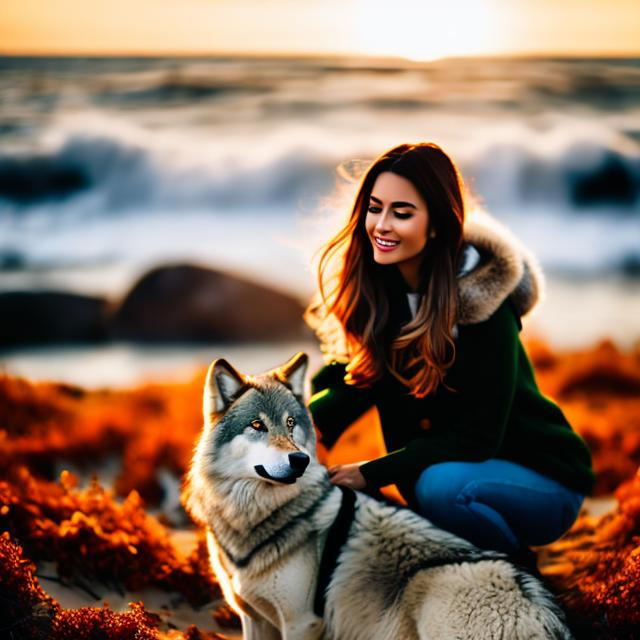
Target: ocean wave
(109, 171)
(584, 175)
(110, 175)
(172, 90)
(36, 178)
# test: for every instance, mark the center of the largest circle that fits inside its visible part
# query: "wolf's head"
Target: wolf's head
(256, 429)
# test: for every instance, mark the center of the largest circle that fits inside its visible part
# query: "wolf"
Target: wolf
(301, 559)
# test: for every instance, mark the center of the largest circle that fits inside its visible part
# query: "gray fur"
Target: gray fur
(412, 580)
(222, 386)
(292, 374)
(397, 576)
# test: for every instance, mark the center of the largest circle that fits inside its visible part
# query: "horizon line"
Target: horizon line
(315, 55)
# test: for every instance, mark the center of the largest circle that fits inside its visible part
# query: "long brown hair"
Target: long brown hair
(360, 300)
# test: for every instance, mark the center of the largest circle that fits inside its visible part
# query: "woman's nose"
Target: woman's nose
(382, 226)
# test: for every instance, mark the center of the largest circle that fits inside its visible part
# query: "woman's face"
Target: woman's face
(396, 224)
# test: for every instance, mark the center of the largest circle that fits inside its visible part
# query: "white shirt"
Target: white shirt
(414, 301)
(470, 260)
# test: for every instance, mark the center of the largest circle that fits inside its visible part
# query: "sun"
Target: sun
(424, 30)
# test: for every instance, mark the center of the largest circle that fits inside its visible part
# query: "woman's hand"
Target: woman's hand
(348, 475)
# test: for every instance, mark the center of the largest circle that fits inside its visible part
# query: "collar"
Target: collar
(336, 538)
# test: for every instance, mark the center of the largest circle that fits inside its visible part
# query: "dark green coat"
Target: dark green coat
(489, 407)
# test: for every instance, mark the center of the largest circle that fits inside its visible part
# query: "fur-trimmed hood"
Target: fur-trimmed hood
(495, 266)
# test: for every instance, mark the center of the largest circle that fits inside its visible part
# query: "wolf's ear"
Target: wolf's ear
(292, 374)
(221, 387)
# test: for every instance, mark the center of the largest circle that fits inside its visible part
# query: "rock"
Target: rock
(610, 183)
(36, 317)
(41, 178)
(190, 303)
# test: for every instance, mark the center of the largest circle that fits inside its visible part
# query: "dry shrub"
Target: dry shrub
(29, 613)
(26, 610)
(89, 623)
(88, 534)
(150, 428)
(595, 568)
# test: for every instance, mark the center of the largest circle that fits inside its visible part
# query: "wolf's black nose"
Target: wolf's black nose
(298, 460)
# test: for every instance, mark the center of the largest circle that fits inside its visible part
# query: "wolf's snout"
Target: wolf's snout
(286, 474)
(298, 461)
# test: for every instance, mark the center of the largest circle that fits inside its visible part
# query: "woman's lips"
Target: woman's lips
(384, 244)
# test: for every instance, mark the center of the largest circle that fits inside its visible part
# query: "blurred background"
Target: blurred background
(167, 171)
(145, 135)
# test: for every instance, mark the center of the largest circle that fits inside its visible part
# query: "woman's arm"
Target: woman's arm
(486, 377)
(334, 404)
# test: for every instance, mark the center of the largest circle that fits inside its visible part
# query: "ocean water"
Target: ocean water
(109, 166)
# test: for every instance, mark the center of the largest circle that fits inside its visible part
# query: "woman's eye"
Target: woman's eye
(258, 425)
(401, 215)
(291, 422)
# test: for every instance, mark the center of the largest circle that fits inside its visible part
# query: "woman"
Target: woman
(428, 310)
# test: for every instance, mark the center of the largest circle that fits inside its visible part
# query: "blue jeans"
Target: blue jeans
(496, 504)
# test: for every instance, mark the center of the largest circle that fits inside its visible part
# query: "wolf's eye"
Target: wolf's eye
(291, 422)
(258, 425)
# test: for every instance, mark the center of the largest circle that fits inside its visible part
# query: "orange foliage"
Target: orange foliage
(599, 392)
(91, 537)
(151, 428)
(101, 622)
(595, 568)
(26, 609)
(30, 614)
(87, 533)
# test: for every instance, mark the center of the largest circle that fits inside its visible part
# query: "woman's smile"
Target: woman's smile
(384, 244)
(396, 223)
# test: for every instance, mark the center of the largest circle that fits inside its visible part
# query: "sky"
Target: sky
(414, 29)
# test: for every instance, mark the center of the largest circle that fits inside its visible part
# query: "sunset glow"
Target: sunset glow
(422, 31)
(405, 28)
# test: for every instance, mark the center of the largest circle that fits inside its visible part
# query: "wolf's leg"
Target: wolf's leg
(258, 629)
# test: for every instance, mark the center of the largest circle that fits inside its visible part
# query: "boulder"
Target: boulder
(185, 302)
(37, 317)
(612, 182)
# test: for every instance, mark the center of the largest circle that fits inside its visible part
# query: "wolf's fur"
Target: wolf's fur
(398, 576)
